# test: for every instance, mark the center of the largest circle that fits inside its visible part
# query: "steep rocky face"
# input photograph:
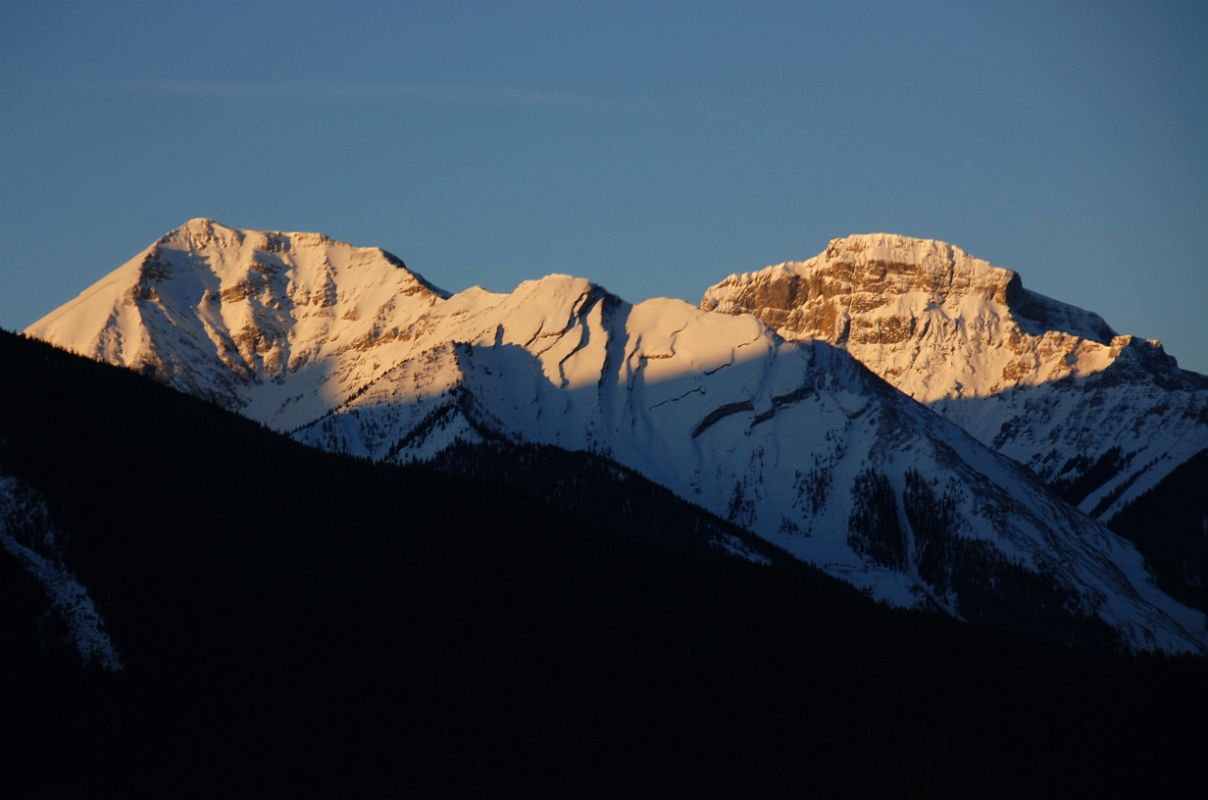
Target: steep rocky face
(1104, 417)
(926, 316)
(797, 442)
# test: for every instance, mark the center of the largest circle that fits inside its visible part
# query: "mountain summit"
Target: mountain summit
(347, 350)
(1102, 416)
(216, 311)
(928, 317)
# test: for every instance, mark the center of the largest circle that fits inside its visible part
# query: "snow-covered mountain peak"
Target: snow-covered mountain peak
(1047, 383)
(233, 252)
(200, 233)
(882, 264)
(555, 287)
(344, 348)
(924, 314)
(929, 256)
(213, 310)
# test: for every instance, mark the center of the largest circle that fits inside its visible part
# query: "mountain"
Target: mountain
(348, 350)
(293, 622)
(1102, 418)
(229, 315)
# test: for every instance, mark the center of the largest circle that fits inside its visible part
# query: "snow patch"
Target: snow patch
(69, 598)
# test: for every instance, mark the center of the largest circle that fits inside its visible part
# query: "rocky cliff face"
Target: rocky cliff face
(1103, 417)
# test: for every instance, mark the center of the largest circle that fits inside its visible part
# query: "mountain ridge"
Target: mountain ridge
(797, 442)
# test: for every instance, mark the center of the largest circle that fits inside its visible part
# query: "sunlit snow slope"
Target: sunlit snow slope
(346, 349)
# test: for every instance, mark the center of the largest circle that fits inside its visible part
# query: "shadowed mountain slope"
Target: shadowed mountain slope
(295, 622)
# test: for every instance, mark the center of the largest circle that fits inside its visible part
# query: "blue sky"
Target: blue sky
(652, 147)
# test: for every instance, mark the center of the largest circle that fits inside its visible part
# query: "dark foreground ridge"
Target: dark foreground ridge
(294, 622)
